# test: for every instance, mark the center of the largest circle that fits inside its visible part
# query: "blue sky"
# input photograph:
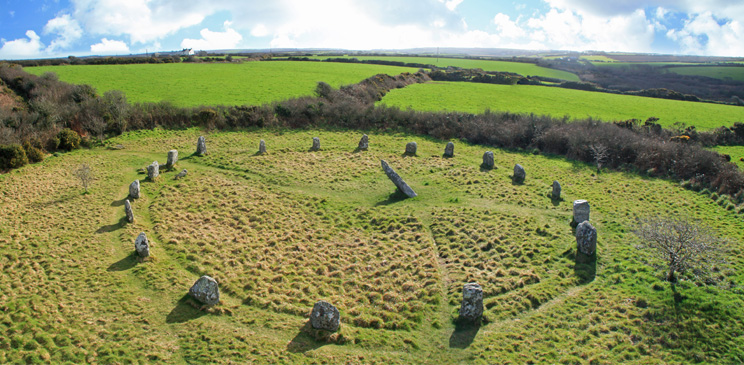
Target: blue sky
(58, 28)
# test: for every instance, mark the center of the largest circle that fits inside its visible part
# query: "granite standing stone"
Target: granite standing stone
(471, 309)
(580, 211)
(262, 147)
(519, 174)
(206, 291)
(142, 245)
(325, 316)
(153, 171)
(128, 211)
(201, 146)
(449, 150)
(556, 190)
(134, 190)
(180, 174)
(411, 148)
(363, 143)
(487, 160)
(172, 159)
(396, 179)
(316, 144)
(586, 238)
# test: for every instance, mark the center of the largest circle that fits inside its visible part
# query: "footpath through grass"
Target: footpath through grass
(283, 230)
(558, 102)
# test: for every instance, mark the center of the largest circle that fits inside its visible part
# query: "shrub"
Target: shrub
(34, 154)
(12, 156)
(69, 140)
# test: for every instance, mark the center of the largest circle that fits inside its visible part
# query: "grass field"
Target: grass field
(475, 98)
(736, 153)
(189, 84)
(525, 69)
(282, 230)
(716, 72)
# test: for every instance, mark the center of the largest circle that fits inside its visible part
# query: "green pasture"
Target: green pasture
(736, 153)
(194, 84)
(558, 102)
(716, 72)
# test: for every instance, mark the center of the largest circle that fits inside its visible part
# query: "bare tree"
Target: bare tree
(85, 175)
(681, 246)
(600, 153)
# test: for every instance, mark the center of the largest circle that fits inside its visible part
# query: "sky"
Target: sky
(60, 28)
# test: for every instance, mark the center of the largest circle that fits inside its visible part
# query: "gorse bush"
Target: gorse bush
(69, 140)
(33, 153)
(12, 157)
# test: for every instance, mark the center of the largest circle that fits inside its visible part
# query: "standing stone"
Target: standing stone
(153, 171)
(519, 174)
(262, 147)
(128, 211)
(580, 211)
(411, 148)
(172, 159)
(487, 160)
(556, 190)
(316, 144)
(134, 190)
(395, 178)
(586, 238)
(180, 174)
(325, 316)
(471, 309)
(363, 143)
(201, 146)
(206, 291)
(142, 245)
(449, 150)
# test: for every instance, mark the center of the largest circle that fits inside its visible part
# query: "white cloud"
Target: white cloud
(260, 30)
(452, 4)
(109, 47)
(29, 47)
(67, 29)
(704, 35)
(506, 27)
(214, 40)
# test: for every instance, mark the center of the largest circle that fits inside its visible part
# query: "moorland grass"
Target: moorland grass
(558, 102)
(285, 229)
(194, 84)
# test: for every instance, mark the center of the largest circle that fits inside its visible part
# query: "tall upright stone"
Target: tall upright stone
(206, 291)
(142, 245)
(519, 174)
(172, 159)
(128, 211)
(262, 147)
(471, 309)
(201, 146)
(580, 211)
(325, 316)
(586, 238)
(449, 150)
(363, 143)
(411, 148)
(316, 144)
(487, 160)
(134, 189)
(153, 171)
(556, 194)
(397, 180)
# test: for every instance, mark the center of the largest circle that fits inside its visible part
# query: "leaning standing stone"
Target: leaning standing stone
(153, 171)
(134, 189)
(519, 173)
(262, 147)
(180, 174)
(449, 150)
(411, 148)
(142, 245)
(556, 190)
(325, 316)
(396, 179)
(128, 211)
(487, 160)
(471, 309)
(586, 238)
(363, 143)
(172, 159)
(201, 146)
(580, 211)
(316, 144)
(206, 291)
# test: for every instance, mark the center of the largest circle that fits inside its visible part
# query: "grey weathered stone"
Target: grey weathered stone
(580, 211)
(201, 146)
(519, 174)
(142, 245)
(449, 150)
(586, 238)
(487, 160)
(411, 148)
(134, 189)
(396, 179)
(262, 147)
(128, 211)
(556, 194)
(206, 291)
(181, 174)
(172, 159)
(471, 309)
(153, 171)
(325, 316)
(316, 144)
(364, 143)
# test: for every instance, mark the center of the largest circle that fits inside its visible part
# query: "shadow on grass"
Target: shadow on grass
(303, 341)
(113, 227)
(184, 311)
(487, 169)
(556, 202)
(119, 203)
(393, 198)
(124, 264)
(585, 268)
(463, 335)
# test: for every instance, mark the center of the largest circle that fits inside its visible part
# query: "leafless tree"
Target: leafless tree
(600, 153)
(85, 175)
(680, 246)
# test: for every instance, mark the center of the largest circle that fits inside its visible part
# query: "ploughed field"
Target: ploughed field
(195, 84)
(284, 230)
(559, 102)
